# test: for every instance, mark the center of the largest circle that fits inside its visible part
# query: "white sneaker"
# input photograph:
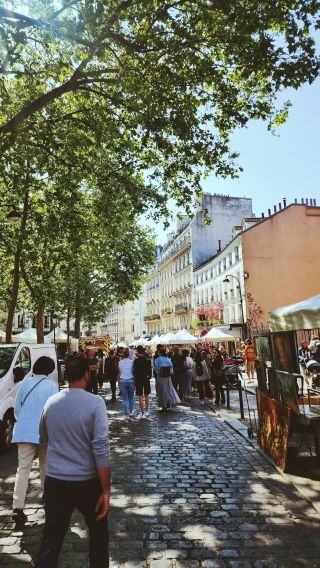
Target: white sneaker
(141, 416)
(147, 414)
(201, 401)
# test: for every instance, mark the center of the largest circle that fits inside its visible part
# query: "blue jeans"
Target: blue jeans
(187, 381)
(127, 392)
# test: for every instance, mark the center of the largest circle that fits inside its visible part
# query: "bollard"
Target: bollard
(240, 399)
(228, 393)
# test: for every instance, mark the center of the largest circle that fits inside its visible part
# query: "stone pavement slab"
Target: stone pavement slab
(188, 491)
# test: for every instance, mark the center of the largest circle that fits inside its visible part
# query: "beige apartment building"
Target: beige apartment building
(270, 262)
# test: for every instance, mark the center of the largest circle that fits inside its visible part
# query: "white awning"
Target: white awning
(57, 336)
(302, 315)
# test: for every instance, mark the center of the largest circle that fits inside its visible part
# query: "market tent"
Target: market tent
(58, 336)
(165, 338)
(122, 344)
(26, 336)
(302, 315)
(183, 336)
(216, 334)
(141, 341)
(154, 340)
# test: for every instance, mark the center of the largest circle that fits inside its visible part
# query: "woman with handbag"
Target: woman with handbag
(167, 395)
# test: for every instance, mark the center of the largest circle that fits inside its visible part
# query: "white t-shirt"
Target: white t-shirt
(125, 368)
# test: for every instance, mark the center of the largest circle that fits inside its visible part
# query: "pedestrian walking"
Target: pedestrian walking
(142, 376)
(187, 374)
(178, 370)
(217, 376)
(201, 375)
(100, 370)
(126, 383)
(92, 385)
(250, 357)
(167, 395)
(33, 393)
(74, 425)
(111, 369)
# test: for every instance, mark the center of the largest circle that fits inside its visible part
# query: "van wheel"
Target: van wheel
(6, 429)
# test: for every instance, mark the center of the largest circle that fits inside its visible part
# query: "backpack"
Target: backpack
(199, 369)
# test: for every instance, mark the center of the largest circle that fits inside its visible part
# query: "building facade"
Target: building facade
(169, 292)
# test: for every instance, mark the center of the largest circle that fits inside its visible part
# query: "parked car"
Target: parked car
(16, 363)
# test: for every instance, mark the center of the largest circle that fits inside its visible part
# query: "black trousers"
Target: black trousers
(113, 386)
(177, 381)
(61, 498)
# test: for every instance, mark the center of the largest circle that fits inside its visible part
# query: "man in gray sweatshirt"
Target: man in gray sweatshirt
(74, 425)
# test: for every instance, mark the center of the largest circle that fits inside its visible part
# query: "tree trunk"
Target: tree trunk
(16, 269)
(77, 327)
(39, 324)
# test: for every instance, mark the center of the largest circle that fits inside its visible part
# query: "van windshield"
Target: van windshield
(6, 357)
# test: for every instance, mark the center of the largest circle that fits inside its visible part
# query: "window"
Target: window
(24, 360)
(236, 253)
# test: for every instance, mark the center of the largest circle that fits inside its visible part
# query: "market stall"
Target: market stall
(283, 408)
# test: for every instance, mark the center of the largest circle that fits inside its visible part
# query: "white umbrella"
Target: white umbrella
(26, 336)
(122, 344)
(57, 335)
(183, 336)
(216, 334)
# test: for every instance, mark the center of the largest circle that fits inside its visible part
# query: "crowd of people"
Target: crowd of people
(68, 429)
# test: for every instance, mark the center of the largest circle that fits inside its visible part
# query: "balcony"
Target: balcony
(166, 311)
(181, 308)
(153, 317)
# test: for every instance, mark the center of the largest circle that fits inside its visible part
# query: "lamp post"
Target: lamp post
(226, 279)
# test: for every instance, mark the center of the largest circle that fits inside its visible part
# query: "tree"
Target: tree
(175, 78)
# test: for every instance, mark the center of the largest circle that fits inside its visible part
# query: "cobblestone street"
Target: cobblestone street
(188, 492)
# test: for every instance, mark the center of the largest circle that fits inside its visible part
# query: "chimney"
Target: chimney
(219, 245)
(295, 200)
(284, 202)
(315, 202)
(307, 201)
(302, 200)
(280, 206)
(269, 212)
(262, 215)
(274, 208)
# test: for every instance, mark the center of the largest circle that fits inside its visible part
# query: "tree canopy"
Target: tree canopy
(110, 109)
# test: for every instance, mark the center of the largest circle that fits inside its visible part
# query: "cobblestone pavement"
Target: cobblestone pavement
(188, 492)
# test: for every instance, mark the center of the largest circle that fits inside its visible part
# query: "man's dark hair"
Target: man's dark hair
(163, 352)
(43, 366)
(76, 369)
(140, 349)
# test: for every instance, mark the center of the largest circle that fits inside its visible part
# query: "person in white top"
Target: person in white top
(32, 395)
(126, 383)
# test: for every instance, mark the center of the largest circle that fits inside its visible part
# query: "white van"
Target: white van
(16, 363)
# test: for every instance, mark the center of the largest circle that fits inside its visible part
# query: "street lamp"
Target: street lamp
(226, 279)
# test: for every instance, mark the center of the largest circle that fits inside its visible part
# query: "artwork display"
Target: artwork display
(285, 352)
(274, 425)
(262, 346)
(287, 390)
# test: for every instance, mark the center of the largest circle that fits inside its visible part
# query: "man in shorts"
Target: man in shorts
(250, 358)
(142, 376)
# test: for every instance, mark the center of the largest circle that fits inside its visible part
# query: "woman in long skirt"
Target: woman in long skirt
(167, 395)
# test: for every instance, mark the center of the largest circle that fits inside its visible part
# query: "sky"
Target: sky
(276, 166)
